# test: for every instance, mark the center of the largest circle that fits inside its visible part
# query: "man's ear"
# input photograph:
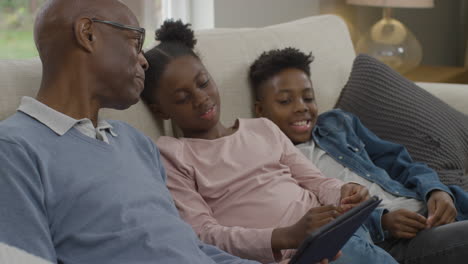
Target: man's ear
(156, 110)
(85, 34)
(258, 109)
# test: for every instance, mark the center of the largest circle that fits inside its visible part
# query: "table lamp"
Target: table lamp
(389, 40)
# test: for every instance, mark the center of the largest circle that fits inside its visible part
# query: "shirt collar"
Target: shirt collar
(56, 121)
(104, 125)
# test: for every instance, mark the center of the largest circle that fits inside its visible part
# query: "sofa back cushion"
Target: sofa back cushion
(227, 54)
(17, 78)
(20, 78)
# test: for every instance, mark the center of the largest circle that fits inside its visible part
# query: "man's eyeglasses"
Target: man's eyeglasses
(141, 38)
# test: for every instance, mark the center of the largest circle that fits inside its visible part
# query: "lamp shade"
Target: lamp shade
(394, 3)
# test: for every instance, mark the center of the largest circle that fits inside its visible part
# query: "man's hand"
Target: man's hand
(403, 223)
(352, 194)
(441, 209)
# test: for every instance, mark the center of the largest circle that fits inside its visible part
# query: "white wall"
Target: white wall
(200, 13)
(147, 13)
(442, 30)
(258, 13)
(203, 14)
(224, 13)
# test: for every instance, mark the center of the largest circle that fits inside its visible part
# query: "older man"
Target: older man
(77, 189)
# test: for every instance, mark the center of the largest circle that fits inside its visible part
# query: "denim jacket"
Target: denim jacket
(349, 142)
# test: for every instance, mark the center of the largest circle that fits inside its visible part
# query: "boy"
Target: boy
(416, 206)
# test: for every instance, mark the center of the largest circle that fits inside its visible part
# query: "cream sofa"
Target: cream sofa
(227, 53)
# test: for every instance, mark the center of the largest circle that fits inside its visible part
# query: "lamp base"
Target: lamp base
(392, 43)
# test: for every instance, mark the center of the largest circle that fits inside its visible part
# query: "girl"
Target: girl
(244, 188)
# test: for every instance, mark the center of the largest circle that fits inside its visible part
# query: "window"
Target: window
(16, 28)
(17, 20)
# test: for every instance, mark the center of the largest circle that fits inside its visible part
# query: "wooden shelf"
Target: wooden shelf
(442, 74)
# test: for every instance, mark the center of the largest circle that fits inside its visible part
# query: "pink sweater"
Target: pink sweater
(236, 189)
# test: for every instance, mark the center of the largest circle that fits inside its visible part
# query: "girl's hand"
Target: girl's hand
(291, 237)
(311, 221)
(325, 261)
(403, 223)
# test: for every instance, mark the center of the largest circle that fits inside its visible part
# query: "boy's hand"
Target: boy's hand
(441, 209)
(403, 223)
(352, 194)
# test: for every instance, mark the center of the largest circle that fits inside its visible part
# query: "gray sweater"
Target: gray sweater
(76, 199)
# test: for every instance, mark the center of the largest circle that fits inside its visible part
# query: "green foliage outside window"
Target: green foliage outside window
(16, 28)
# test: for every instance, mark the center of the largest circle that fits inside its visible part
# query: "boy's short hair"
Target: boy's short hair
(274, 61)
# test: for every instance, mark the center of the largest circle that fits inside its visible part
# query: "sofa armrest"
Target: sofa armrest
(456, 95)
(10, 254)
